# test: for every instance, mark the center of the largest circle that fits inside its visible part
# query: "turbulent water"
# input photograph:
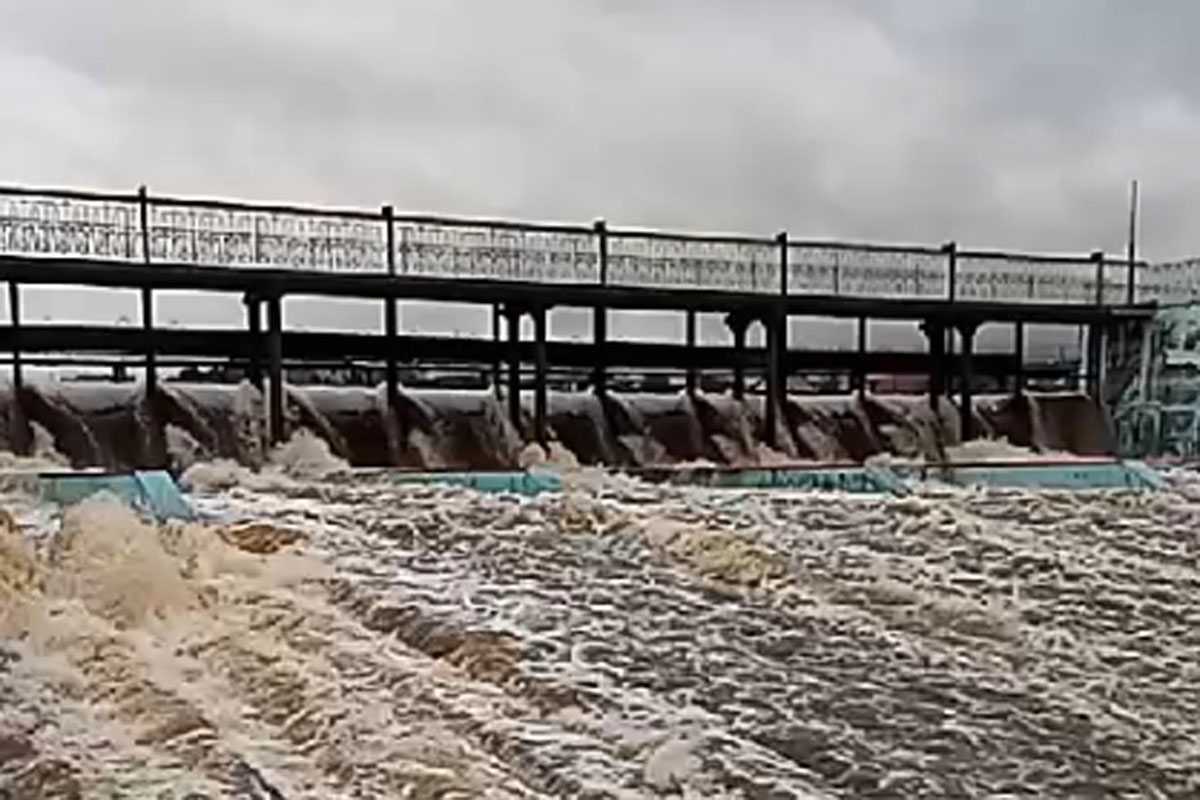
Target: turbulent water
(118, 427)
(335, 636)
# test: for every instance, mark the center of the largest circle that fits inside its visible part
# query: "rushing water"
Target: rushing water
(334, 636)
(118, 427)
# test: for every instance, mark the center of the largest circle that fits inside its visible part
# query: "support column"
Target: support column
(1145, 391)
(149, 343)
(967, 376)
(1095, 362)
(391, 314)
(774, 332)
(600, 352)
(391, 374)
(1019, 356)
(737, 326)
(936, 334)
(541, 377)
(496, 358)
(513, 320)
(14, 310)
(860, 367)
(254, 325)
(16, 418)
(275, 368)
(692, 376)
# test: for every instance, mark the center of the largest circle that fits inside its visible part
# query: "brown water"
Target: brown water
(115, 426)
(364, 639)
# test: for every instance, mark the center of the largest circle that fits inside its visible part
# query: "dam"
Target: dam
(605, 400)
(804, 579)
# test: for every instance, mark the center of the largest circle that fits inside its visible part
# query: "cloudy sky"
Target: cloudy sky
(998, 124)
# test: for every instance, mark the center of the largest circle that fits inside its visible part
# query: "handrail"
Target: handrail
(39, 221)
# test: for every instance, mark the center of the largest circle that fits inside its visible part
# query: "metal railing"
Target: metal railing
(139, 227)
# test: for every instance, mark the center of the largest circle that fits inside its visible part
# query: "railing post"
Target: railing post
(1098, 259)
(601, 228)
(779, 330)
(144, 220)
(147, 298)
(951, 251)
(391, 313)
(600, 319)
(782, 239)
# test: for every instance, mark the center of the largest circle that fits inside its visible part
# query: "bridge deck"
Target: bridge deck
(267, 252)
(278, 282)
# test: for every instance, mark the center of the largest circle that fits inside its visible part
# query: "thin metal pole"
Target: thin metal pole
(860, 370)
(1131, 280)
(936, 334)
(541, 377)
(496, 359)
(391, 314)
(782, 239)
(147, 297)
(690, 335)
(513, 320)
(951, 251)
(275, 367)
(254, 323)
(779, 329)
(1019, 354)
(967, 373)
(600, 318)
(773, 378)
(1098, 258)
(738, 327)
(1144, 388)
(14, 308)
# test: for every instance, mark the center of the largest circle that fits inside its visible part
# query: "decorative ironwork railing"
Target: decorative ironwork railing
(143, 228)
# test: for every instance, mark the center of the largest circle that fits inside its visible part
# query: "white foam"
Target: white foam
(618, 638)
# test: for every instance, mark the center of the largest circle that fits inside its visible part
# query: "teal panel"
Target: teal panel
(161, 495)
(1149, 478)
(871, 479)
(1084, 476)
(525, 483)
(836, 479)
(68, 489)
(154, 493)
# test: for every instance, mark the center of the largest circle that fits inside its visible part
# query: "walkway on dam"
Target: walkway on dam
(267, 252)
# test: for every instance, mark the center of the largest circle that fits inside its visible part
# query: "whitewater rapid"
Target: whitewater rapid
(330, 635)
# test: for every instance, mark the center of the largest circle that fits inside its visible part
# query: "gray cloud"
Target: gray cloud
(1014, 124)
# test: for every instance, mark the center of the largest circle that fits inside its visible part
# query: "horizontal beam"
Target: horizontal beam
(331, 347)
(279, 282)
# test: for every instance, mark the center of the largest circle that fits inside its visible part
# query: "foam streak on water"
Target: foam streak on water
(615, 641)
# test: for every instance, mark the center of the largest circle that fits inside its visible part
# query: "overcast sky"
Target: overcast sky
(1013, 123)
